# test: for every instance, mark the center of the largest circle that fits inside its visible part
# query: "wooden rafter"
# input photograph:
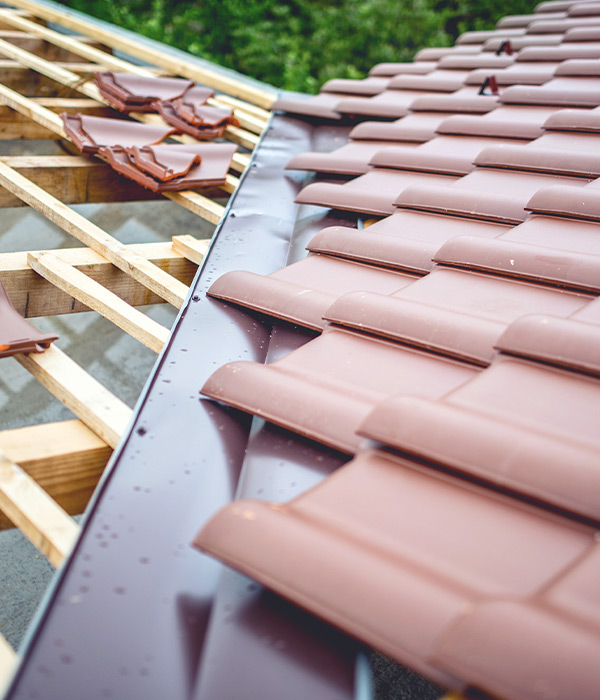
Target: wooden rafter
(145, 52)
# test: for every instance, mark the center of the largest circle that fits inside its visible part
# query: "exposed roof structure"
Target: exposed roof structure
(380, 398)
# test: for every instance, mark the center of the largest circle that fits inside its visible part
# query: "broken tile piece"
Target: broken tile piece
(16, 334)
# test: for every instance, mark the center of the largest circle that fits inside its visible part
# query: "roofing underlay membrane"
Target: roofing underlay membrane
(381, 402)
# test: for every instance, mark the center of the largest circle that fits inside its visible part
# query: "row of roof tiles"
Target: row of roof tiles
(457, 360)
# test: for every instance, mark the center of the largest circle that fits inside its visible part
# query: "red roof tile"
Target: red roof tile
(209, 172)
(16, 334)
(342, 393)
(437, 584)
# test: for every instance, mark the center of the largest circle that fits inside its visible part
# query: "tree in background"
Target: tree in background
(299, 44)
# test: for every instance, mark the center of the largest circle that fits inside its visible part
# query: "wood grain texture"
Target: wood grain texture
(104, 413)
(65, 458)
(33, 296)
(91, 293)
(52, 531)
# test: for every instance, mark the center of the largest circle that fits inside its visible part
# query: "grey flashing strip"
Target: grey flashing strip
(136, 612)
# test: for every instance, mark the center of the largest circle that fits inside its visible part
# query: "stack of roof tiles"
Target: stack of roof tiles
(456, 360)
(135, 151)
(181, 103)
(18, 335)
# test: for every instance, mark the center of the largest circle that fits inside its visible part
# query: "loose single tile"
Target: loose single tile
(208, 122)
(210, 172)
(129, 92)
(166, 162)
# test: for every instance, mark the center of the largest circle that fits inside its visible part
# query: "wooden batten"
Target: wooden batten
(91, 293)
(91, 402)
(8, 662)
(66, 459)
(32, 295)
(93, 236)
(190, 248)
(14, 125)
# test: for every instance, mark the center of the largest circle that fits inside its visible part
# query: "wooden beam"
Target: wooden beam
(80, 67)
(32, 110)
(30, 83)
(252, 121)
(93, 236)
(14, 125)
(73, 45)
(91, 293)
(74, 180)
(66, 459)
(32, 295)
(191, 248)
(38, 517)
(8, 662)
(50, 69)
(177, 66)
(97, 407)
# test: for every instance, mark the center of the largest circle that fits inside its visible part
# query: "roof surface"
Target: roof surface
(380, 402)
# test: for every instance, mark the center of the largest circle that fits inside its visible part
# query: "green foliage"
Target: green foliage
(299, 44)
